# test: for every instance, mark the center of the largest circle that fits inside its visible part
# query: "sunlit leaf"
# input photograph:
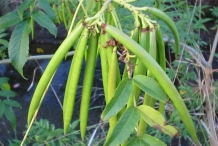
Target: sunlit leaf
(5, 86)
(23, 6)
(152, 141)
(42, 19)
(151, 87)
(9, 19)
(121, 96)
(124, 127)
(151, 116)
(19, 45)
(170, 130)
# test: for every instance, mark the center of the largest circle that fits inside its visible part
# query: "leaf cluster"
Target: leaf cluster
(7, 103)
(43, 132)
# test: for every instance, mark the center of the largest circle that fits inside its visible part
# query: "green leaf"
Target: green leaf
(42, 19)
(2, 35)
(9, 19)
(47, 8)
(19, 45)
(121, 96)
(169, 130)
(2, 108)
(4, 42)
(136, 141)
(152, 141)
(124, 127)
(90, 5)
(3, 80)
(7, 93)
(151, 87)
(5, 86)
(9, 113)
(151, 116)
(11, 103)
(24, 5)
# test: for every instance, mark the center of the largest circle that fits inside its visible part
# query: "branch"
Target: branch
(37, 57)
(191, 51)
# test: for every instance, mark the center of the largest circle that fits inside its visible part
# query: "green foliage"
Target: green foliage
(3, 44)
(119, 100)
(124, 127)
(18, 48)
(214, 12)
(42, 132)
(42, 19)
(188, 20)
(19, 43)
(153, 88)
(6, 103)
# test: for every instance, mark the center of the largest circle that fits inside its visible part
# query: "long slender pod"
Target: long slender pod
(139, 66)
(110, 43)
(130, 64)
(73, 79)
(158, 73)
(64, 14)
(112, 84)
(161, 57)
(164, 17)
(51, 68)
(88, 82)
(148, 100)
(104, 65)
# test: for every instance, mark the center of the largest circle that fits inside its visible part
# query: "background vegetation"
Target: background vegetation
(193, 72)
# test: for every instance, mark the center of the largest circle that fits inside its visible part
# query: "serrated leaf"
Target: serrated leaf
(151, 87)
(43, 20)
(19, 45)
(9, 113)
(47, 8)
(23, 6)
(124, 127)
(152, 141)
(2, 108)
(11, 103)
(169, 130)
(7, 93)
(151, 116)
(121, 96)
(136, 141)
(9, 19)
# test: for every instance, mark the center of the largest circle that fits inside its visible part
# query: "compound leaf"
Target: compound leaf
(24, 5)
(9, 19)
(19, 45)
(43, 20)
